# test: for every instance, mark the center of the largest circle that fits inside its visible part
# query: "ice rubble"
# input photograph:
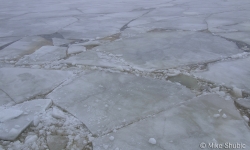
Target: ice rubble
(52, 133)
(44, 55)
(22, 84)
(170, 49)
(23, 47)
(15, 119)
(95, 98)
(183, 127)
(230, 73)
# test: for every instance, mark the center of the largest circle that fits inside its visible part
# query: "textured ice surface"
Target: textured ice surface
(99, 26)
(4, 98)
(44, 55)
(231, 73)
(22, 84)
(76, 49)
(93, 58)
(245, 102)
(170, 49)
(58, 41)
(7, 40)
(23, 47)
(183, 127)
(105, 101)
(8, 114)
(229, 21)
(18, 117)
(238, 36)
(144, 38)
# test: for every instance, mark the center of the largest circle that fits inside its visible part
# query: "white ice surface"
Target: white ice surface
(26, 45)
(44, 55)
(95, 98)
(20, 116)
(183, 127)
(22, 84)
(161, 50)
(231, 73)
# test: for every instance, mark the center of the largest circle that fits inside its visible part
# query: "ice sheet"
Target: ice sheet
(43, 55)
(161, 50)
(4, 98)
(22, 83)
(183, 127)
(22, 47)
(93, 58)
(231, 73)
(105, 101)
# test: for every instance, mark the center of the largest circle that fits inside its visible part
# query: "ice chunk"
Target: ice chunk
(237, 75)
(246, 118)
(9, 129)
(137, 97)
(161, 50)
(185, 126)
(58, 114)
(44, 55)
(31, 139)
(216, 115)
(75, 49)
(23, 47)
(22, 84)
(224, 116)
(111, 138)
(152, 141)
